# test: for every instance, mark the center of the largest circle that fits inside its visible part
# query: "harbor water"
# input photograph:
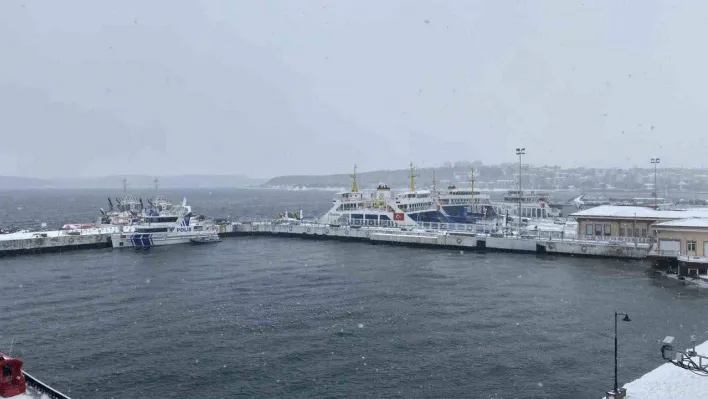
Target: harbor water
(276, 317)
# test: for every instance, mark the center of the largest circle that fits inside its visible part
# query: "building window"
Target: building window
(608, 229)
(588, 229)
(598, 229)
(690, 246)
(621, 231)
(644, 232)
(636, 232)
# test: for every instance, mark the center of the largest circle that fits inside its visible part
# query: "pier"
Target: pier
(55, 241)
(468, 237)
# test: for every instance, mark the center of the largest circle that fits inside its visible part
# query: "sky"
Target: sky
(266, 88)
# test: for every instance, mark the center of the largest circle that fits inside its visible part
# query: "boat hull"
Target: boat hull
(124, 240)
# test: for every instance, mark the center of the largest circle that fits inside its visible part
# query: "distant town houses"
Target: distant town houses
(506, 176)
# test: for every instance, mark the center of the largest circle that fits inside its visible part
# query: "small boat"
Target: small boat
(205, 239)
(16, 382)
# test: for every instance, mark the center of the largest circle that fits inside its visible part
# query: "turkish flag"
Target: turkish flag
(398, 216)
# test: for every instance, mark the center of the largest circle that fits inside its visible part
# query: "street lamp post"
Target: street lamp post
(519, 152)
(615, 393)
(655, 161)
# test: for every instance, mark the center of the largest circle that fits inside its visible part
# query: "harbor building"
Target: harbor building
(628, 221)
(683, 236)
(687, 240)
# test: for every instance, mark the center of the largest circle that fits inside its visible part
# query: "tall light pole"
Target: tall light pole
(615, 392)
(655, 161)
(519, 152)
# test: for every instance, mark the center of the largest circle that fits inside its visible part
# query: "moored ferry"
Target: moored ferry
(533, 205)
(464, 205)
(380, 207)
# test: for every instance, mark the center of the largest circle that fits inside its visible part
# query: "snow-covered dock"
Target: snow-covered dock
(55, 240)
(455, 236)
(670, 382)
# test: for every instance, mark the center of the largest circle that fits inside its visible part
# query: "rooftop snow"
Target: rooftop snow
(701, 222)
(616, 211)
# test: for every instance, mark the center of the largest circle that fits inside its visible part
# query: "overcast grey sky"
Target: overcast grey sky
(262, 88)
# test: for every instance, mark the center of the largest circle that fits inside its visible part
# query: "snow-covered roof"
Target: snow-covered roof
(701, 222)
(616, 211)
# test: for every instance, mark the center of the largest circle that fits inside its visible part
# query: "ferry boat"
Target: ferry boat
(164, 228)
(420, 205)
(534, 205)
(464, 205)
(381, 208)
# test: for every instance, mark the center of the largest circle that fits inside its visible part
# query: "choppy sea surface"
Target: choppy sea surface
(275, 317)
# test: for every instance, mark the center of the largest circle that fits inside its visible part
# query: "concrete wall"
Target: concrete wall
(56, 243)
(596, 249)
(511, 244)
(615, 225)
(699, 236)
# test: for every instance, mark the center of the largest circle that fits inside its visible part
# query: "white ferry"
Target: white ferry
(164, 228)
(381, 208)
(534, 205)
(464, 205)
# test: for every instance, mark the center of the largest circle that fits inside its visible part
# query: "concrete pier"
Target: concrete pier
(54, 241)
(450, 236)
(543, 244)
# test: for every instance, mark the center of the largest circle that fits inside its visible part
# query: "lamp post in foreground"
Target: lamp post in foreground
(617, 393)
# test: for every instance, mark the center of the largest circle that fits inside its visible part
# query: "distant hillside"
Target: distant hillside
(134, 181)
(394, 178)
(14, 182)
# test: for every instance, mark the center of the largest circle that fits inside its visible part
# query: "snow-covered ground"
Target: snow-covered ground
(670, 382)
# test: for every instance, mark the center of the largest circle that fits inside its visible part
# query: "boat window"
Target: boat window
(357, 216)
(151, 229)
(371, 217)
(7, 370)
(198, 228)
(384, 217)
(161, 219)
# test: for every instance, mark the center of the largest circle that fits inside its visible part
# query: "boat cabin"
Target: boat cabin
(12, 381)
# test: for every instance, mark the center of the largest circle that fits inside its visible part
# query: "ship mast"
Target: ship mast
(157, 184)
(412, 177)
(125, 185)
(471, 180)
(434, 181)
(355, 186)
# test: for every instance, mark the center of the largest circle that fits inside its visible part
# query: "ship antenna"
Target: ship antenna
(125, 185)
(157, 184)
(355, 186)
(472, 181)
(12, 343)
(434, 181)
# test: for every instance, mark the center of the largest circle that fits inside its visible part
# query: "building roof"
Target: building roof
(641, 212)
(700, 222)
